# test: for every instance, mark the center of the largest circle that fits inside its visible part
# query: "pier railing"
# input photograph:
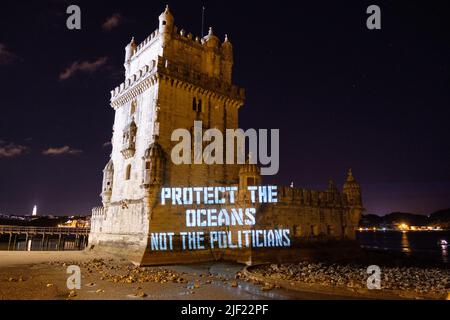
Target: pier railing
(39, 238)
(43, 230)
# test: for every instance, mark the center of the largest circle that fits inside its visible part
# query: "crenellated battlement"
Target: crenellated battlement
(182, 35)
(144, 44)
(308, 197)
(183, 72)
(147, 70)
(199, 43)
(151, 72)
(98, 212)
(188, 38)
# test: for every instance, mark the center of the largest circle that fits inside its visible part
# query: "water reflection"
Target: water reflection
(405, 243)
(444, 253)
(429, 245)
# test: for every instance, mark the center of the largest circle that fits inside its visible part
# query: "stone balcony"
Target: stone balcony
(128, 150)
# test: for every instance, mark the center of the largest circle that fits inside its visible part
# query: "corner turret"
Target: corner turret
(227, 49)
(166, 25)
(352, 190)
(107, 184)
(130, 49)
(227, 59)
(249, 174)
(153, 163)
(153, 166)
(210, 40)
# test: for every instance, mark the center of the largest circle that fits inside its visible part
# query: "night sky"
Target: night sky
(342, 95)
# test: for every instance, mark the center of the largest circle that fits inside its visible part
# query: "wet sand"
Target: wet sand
(42, 275)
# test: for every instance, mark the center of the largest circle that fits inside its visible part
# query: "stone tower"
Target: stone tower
(352, 190)
(171, 80)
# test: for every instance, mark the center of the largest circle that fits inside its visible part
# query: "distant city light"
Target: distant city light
(403, 227)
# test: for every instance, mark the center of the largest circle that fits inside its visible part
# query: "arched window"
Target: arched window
(199, 106)
(128, 172)
(194, 104)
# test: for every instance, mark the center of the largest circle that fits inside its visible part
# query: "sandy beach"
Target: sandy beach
(20, 258)
(43, 275)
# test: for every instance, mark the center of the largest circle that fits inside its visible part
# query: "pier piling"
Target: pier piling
(72, 238)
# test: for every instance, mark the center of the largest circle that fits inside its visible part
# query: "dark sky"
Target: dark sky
(342, 95)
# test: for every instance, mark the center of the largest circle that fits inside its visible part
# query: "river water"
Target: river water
(421, 244)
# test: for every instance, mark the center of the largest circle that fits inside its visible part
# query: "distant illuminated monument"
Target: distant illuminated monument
(34, 211)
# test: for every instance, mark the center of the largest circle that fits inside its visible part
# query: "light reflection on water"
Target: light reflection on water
(444, 253)
(422, 244)
(405, 242)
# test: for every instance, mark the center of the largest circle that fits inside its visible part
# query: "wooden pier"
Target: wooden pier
(79, 236)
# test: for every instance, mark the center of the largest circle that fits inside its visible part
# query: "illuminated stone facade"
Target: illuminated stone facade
(171, 80)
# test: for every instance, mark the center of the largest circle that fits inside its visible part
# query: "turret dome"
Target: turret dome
(154, 151)
(227, 48)
(211, 40)
(109, 166)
